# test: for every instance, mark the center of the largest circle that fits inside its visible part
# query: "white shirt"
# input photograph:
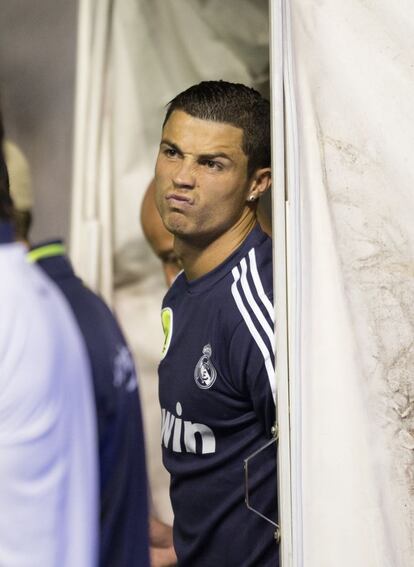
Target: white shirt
(48, 453)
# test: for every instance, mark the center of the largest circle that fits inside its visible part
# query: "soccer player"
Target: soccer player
(123, 481)
(216, 376)
(48, 453)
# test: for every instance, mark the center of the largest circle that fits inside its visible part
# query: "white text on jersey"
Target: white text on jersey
(186, 436)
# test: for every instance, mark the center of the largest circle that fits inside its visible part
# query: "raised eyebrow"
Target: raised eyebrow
(214, 156)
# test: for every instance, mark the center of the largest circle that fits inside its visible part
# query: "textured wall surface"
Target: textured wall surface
(354, 69)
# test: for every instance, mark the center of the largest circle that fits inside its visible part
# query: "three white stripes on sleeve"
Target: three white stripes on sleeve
(240, 276)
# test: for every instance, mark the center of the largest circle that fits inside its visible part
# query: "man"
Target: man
(48, 454)
(158, 237)
(217, 372)
(123, 481)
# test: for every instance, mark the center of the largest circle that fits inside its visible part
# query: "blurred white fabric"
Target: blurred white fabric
(48, 445)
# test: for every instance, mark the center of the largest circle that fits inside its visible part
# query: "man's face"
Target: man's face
(201, 177)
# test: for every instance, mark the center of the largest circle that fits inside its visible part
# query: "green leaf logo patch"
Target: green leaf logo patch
(167, 325)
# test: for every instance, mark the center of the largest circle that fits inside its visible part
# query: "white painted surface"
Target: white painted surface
(354, 66)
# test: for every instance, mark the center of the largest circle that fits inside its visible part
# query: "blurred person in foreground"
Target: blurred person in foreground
(48, 453)
(124, 534)
(216, 376)
(123, 538)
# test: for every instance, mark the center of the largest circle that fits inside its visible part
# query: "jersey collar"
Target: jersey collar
(200, 285)
(46, 250)
(50, 255)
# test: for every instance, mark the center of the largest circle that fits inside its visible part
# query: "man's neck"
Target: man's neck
(199, 259)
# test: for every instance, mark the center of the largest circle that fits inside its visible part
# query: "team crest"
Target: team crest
(204, 373)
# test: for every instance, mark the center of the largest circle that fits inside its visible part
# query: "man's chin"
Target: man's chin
(189, 232)
(175, 223)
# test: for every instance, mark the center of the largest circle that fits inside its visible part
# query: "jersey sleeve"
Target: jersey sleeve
(251, 358)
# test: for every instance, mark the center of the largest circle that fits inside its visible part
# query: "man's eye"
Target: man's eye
(211, 164)
(170, 152)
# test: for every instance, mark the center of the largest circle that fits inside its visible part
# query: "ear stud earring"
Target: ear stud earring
(252, 198)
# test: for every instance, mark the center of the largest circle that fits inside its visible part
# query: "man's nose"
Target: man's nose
(184, 175)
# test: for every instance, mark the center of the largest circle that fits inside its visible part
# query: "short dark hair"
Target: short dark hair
(6, 205)
(235, 104)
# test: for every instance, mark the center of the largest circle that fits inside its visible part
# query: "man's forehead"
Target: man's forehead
(198, 136)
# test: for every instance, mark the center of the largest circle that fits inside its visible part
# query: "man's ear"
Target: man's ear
(260, 182)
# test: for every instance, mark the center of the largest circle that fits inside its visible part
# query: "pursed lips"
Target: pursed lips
(176, 198)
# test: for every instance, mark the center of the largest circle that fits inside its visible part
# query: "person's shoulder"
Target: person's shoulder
(248, 287)
(90, 298)
(79, 295)
(22, 281)
(97, 321)
(253, 264)
(260, 260)
(12, 261)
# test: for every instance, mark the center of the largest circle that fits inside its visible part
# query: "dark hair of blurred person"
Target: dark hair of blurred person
(6, 205)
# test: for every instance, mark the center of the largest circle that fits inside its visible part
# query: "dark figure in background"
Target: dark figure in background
(123, 482)
(158, 237)
(216, 377)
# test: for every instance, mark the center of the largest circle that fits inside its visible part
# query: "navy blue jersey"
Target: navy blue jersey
(216, 387)
(123, 482)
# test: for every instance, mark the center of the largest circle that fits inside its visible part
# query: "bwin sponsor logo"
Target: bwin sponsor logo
(187, 437)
